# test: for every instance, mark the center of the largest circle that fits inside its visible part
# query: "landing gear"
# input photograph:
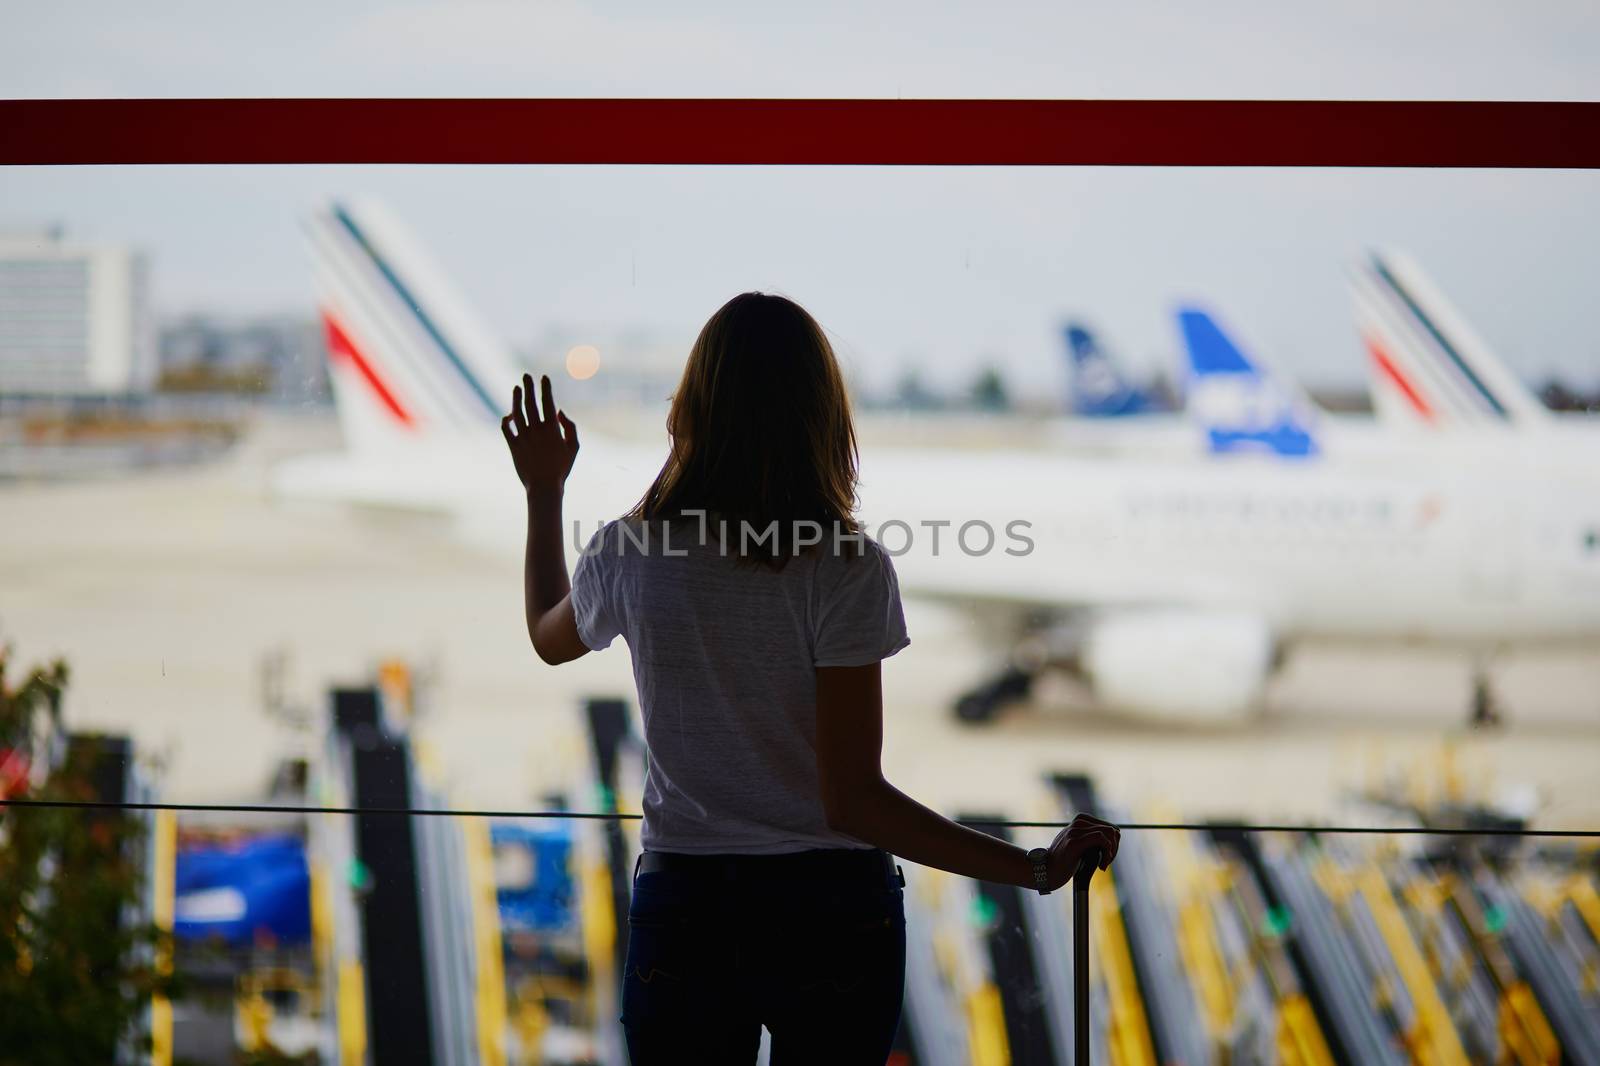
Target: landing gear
(987, 700)
(1485, 706)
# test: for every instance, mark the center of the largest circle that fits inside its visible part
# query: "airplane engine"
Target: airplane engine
(1204, 666)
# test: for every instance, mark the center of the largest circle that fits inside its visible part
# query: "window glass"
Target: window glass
(1219, 498)
(1250, 49)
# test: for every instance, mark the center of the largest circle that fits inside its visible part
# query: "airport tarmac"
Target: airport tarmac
(166, 590)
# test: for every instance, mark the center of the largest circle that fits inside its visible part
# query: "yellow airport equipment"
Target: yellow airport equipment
(352, 1010)
(1202, 956)
(1128, 1031)
(1197, 941)
(599, 926)
(964, 968)
(1581, 890)
(1433, 1040)
(1200, 885)
(986, 1026)
(491, 978)
(395, 682)
(163, 888)
(252, 1019)
(321, 923)
(1525, 1034)
(1299, 1039)
(530, 1020)
(253, 1010)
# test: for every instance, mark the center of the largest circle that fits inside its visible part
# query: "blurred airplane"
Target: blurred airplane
(1098, 387)
(1227, 397)
(419, 385)
(1239, 406)
(1173, 587)
(1429, 368)
(1433, 374)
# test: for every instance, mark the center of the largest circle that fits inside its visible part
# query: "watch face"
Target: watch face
(1038, 855)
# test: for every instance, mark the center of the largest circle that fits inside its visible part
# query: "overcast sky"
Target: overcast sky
(944, 266)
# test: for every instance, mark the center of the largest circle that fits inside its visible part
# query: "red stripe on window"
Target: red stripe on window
(340, 345)
(1386, 367)
(931, 132)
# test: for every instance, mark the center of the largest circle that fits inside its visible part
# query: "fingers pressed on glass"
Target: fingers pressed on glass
(518, 419)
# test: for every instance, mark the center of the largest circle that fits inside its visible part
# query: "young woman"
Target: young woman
(757, 615)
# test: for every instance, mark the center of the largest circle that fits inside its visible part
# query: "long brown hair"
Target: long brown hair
(761, 429)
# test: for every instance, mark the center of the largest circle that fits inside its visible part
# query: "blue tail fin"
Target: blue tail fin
(1241, 407)
(1098, 389)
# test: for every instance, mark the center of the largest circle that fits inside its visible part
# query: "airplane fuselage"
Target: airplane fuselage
(1488, 546)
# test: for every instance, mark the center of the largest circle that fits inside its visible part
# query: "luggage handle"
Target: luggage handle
(1088, 863)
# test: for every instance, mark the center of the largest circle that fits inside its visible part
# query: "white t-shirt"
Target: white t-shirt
(724, 654)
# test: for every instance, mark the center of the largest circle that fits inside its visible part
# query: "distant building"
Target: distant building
(74, 317)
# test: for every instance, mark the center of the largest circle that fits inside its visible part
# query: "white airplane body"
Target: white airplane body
(1178, 582)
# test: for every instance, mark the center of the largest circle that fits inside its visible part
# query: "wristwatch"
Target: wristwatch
(1039, 859)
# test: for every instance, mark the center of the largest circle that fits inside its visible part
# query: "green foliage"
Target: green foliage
(75, 972)
(989, 391)
(22, 706)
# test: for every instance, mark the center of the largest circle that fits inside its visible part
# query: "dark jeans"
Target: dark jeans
(812, 945)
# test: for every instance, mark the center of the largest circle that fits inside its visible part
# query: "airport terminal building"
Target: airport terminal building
(74, 317)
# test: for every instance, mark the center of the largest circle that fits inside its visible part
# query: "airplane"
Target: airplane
(1098, 387)
(1433, 376)
(1111, 416)
(1237, 405)
(1174, 587)
(419, 383)
(1429, 369)
(1243, 409)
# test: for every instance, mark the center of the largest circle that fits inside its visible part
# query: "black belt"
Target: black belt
(821, 862)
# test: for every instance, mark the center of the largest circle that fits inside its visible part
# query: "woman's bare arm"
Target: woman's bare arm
(546, 590)
(858, 801)
(543, 449)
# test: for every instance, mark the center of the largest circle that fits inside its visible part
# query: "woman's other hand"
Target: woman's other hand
(543, 447)
(1085, 833)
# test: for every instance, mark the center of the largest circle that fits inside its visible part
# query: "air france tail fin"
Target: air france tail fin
(1427, 366)
(1240, 406)
(1098, 388)
(408, 357)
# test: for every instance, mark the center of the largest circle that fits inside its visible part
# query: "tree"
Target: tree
(989, 391)
(76, 974)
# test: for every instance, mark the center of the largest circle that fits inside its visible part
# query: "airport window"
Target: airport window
(1241, 426)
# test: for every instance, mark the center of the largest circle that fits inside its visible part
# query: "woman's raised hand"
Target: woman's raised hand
(543, 447)
(1085, 833)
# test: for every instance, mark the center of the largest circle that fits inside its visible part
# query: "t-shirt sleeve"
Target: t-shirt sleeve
(593, 585)
(860, 620)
